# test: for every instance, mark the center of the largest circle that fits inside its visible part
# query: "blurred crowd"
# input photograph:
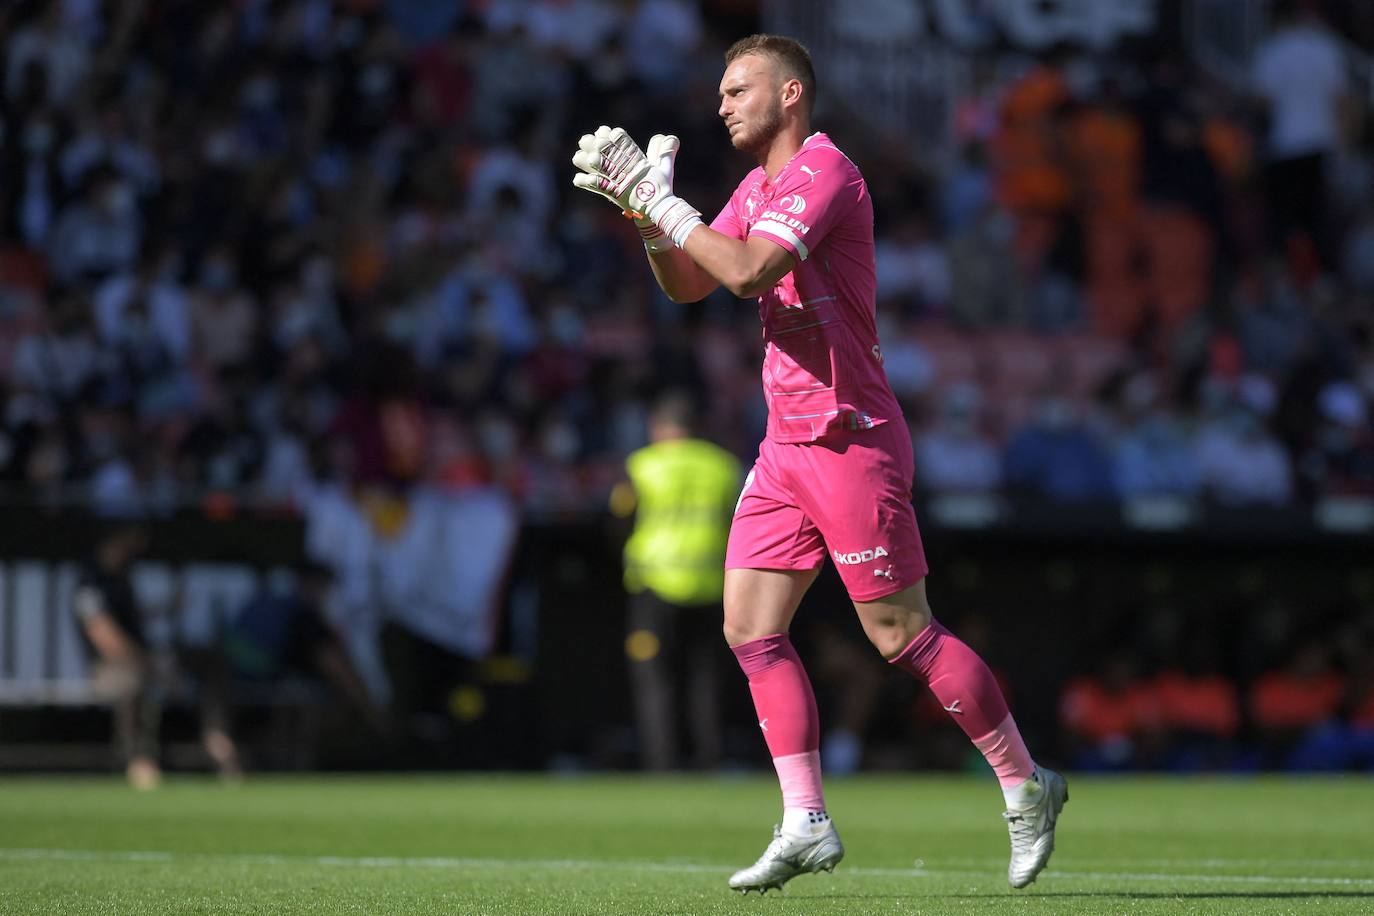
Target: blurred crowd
(253, 246)
(1268, 686)
(1179, 696)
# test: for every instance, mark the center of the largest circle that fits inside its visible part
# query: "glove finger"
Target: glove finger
(593, 183)
(622, 141)
(591, 143)
(588, 161)
(588, 181)
(663, 144)
(666, 152)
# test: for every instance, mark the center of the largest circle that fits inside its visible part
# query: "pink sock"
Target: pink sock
(966, 688)
(787, 714)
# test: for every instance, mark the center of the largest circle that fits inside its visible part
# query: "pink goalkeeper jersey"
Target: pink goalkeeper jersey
(822, 369)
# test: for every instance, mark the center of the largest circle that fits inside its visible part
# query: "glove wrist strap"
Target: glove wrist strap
(675, 217)
(655, 239)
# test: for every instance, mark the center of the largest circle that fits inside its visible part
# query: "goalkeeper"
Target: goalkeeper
(834, 472)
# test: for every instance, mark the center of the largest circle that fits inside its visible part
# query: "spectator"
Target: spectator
(967, 191)
(29, 190)
(1241, 461)
(57, 359)
(523, 168)
(122, 664)
(98, 232)
(682, 490)
(443, 76)
(660, 38)
(153, 290)
(1199, 708)
(61, 55)
(1058, 456)
(1288, 703)
(1345, 742)
(957, 455)
(102, 142)
(979, 260)
(1299, 75)
(224, 319)
(1111, 717)
(276, 636)
(1341, 458)
(1155, 453)
(912, 265)
(577, 29)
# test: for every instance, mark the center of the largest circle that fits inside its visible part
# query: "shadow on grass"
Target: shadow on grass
(1097, 895)
(1192, 895)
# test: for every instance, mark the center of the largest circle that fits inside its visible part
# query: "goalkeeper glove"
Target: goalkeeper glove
(613, 166)
(662, 151)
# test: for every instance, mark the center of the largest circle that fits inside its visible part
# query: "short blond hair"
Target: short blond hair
(791, 56)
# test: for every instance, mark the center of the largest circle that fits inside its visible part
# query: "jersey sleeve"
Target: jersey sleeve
(727, 221)
(820, 188)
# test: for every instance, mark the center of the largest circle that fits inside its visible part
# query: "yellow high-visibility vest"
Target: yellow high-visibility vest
(686, 491)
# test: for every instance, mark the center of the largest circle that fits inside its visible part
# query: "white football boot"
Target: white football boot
(1032, 828)
(788, 856)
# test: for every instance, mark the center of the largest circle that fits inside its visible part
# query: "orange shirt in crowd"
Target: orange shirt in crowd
(1282, 699)
(1096, 713)
(1028, 173)
(1230, 147)
(1104, 151)
(1207, 704)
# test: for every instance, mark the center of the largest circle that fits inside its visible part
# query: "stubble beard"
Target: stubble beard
(759, 139)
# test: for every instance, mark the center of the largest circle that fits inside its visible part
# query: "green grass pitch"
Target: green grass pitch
(640, 845)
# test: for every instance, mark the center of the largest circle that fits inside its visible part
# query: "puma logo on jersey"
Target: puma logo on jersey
(953, 708)
(810, 171)
(859, 556)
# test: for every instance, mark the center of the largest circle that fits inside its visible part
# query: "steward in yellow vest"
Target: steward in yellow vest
(682, 491)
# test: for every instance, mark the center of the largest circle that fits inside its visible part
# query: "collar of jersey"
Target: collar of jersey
(765, 184)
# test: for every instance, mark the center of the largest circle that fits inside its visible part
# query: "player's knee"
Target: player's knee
(892, 627)
(736, 632)
(891, 639)
(743, 628)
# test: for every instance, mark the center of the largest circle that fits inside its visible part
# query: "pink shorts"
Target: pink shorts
(847, 497)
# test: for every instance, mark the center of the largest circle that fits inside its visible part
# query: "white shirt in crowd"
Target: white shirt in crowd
(1301, 71)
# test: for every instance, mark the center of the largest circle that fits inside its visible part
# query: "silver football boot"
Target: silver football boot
(1032, 829)
(788, 856)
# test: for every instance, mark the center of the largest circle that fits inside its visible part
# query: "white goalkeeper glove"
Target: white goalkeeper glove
(661, 154)
(613, 166)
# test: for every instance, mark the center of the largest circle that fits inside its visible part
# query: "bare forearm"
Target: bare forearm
(681, 278)
(745, 269)
(111, 642)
